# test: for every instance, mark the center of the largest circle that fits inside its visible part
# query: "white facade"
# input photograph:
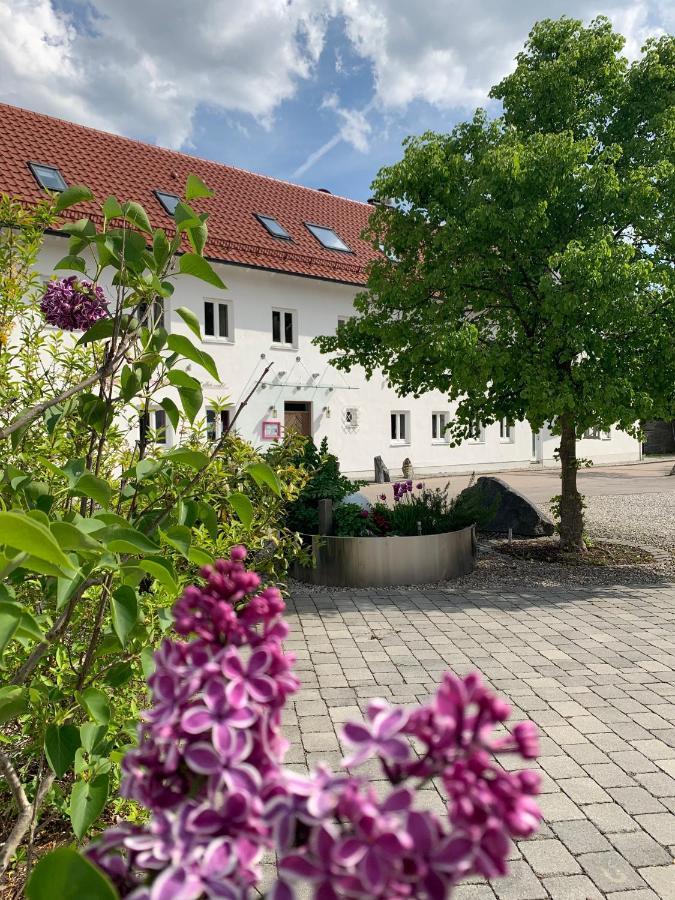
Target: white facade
(354, 414)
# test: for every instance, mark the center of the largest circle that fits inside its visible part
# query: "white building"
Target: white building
(293, 261)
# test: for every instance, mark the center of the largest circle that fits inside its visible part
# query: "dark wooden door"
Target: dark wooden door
(298, 417)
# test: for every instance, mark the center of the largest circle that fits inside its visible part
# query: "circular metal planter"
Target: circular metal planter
(383, 561)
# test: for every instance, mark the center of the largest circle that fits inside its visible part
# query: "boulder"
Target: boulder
(512, 509)
(381, 471)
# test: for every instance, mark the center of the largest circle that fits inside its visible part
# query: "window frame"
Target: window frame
(158, 302)
(395, 439)
(439, 417)
(33, 165)
(345, 246)
(284, 344)
(507, 431)
(218, 338)
(263, 218)
(478, 436)
(221, 421)
(152, 427)
(159, 194)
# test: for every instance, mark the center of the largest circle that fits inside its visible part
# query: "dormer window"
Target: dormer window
(327, 237)
(273, 227)
(168, 201)
(48, 177)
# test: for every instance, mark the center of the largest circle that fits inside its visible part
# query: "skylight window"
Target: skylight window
(328, 238)
(168, 201)
(274, 228)
(48, 177)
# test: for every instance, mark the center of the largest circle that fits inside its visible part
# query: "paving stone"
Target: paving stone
(661, 826)
(473, 892)
(610, 871)
(635, 800)
(558, 808)
(572, 887)
(580, 836)
(610, 818)
(609, 775)
(585, 790)
(547, 857)
(520, 884)
(632, 762)
(661, 879)
(640, 849)
(657, 783)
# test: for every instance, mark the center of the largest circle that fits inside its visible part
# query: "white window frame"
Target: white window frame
(160, 304)
(592, 434)
(152, 428)
(341, 320)
(606, 435)
(218, 338)
(283, 344)
(395, 433)
(217, 422)
(439, 419)
(507, 431)
(478, 436)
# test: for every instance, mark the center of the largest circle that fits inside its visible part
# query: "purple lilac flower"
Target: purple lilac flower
(73, 304)
(208, 767)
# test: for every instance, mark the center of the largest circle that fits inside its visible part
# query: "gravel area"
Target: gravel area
(643, 518)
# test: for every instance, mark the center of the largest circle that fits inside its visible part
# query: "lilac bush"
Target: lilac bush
(73, 304)
(208, 768)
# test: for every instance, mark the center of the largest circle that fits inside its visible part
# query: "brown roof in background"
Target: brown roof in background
(131, 170)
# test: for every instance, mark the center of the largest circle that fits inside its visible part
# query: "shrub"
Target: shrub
(208, 768)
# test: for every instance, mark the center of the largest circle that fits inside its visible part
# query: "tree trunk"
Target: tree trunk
(571, 507)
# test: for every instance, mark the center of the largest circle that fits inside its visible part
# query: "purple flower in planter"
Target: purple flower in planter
(383, 496)
(381, 737)
(73, 304)
(364, 513)
(419, 485)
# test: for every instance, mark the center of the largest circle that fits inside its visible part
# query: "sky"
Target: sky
(319, 92)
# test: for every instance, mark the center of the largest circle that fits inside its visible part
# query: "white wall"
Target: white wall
(318, 304)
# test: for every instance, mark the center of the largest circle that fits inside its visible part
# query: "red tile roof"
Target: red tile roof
(131, 170)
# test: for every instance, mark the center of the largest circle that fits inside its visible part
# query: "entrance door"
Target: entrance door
(298, 417)
(535, 456)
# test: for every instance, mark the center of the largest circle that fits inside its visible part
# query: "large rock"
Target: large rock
(512, 509)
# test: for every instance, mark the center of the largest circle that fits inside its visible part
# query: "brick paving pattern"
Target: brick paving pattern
(595, 669)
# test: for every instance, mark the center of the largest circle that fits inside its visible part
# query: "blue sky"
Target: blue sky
(321, 92)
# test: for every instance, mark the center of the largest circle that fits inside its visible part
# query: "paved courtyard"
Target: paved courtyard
(595, 669)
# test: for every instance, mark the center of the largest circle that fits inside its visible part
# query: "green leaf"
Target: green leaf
(124, 612)
(68, 875)
(190, 320)
(76, 193)
(65, 588)
(61, 742)
(182, 379)
(161, 249)
(197, 235)
(172, 411)
(243, 507)
(199, 557)
(179, 343)
(186, 457)
(99, 331)
(146, 468)
(133, 212)
(195, 187)
(86, 803)
(89, 485)
(147, 661)
(127, 540)
(13, 702)
(162, 570)
(80, 230)
(91, 735)
(95, 703)
(71, 538)
(10, 616)
(209, 518)
(179, 537)
(191, 400)
(196, 265)
(25, 534)
(71, 264)
(262, 474)
(112, 208)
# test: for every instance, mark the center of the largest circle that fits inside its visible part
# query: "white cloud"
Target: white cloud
(143, 67)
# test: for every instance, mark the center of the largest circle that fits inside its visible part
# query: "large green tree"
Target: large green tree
(528, 259)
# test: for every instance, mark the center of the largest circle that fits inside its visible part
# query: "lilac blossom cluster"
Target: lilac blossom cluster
(73, 304)
(401, 488)
(208, 767)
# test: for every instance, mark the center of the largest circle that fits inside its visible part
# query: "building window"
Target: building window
(506, 431)
(273, 227)
(595, 434)
(153, 428)
(217, 423)
(341, 320)
(351, 417)
(328, 238)
(400, 428)
(48, 177)
(168, 201)
(477, 435)
(438, 422)
(218, 320)
(283, 327)
(151, 315)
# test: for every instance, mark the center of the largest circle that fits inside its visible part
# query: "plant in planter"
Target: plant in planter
(208, 768)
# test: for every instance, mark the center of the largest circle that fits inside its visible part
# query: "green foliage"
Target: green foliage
(527, 267)
(349, 521)
(68, 875)
(325, 483)
(100, 525)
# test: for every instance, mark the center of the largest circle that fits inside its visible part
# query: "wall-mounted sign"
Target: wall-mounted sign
(271, 431)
